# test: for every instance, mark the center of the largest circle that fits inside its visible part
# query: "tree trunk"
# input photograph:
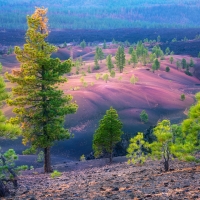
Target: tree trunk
(47, 160)
(111, 157)
(166, 165)
(3, 189)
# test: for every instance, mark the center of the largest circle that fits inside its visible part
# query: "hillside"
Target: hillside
(104, 14)
(158, 93)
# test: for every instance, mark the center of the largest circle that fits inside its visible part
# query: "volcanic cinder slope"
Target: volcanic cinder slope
(158, 93)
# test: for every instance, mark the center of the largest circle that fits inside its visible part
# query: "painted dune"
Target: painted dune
(158, 93)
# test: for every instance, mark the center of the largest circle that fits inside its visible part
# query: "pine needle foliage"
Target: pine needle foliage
(40, 106)
(108, 134)
(136, 149)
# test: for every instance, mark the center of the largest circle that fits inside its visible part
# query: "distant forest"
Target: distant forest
(104, 14)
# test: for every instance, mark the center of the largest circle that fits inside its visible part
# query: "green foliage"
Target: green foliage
(167, 51)
(152, 57)
(156, 65)
(89, 69)
(162, 147)
(100, 15)
(120, 58)
(141, 50)
(39, 106)
(120, 78)
(112, 73)
(157, 50)
(130, 50)
(158, 38)
(83, 44)
(99, 55)
(105, 77)
(104, 45)
(171, 59)
(191, 128)
(108, 134)
(96, 62)
(8, 170)
(134, 58)
(136, 149)
(199, 55)
(191, 64)
(178, 64)
(183, 63)
(133, 79)
(82, 158)
(174, 40)
(97, 76)
(56, 174)
(65, 44)
(187, 72)
(144, 116)
(172, 53)
(109, 62)
(40, 157)
(167, 69)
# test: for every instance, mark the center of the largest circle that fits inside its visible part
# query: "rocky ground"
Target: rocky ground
(90, 180)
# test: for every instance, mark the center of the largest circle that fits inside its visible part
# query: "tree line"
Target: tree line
(99, 15)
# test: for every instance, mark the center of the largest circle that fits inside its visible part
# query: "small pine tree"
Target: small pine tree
(178, 64)
(167, 51)
(133, 79)
(105, 77)
(120, 58)
(112, 73)
(109, 62)
(108, 134)
(83, 44)
(191, 64)
(136, 149)
(89, 69)
(134, 58)
(183, 63)
(161, 148)
(158, 38)
(96, 63)
(156, 65)
(182, 97)
(130, 50)
(144, 116)
(167, 69)
(171, 59)
(104, 45)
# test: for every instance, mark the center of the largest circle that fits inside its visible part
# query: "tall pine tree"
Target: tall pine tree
(40, 107)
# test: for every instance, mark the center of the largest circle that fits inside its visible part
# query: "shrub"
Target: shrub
(97, 76)
(188, 73)
(144, 116)
(96, 67)
(182, 97)
(89, 70)
(136, 149)
(133, 79)
(56, 174)
(167, 69)
(40, 157)
(120, 78)
(112, 73)
(82, 158)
